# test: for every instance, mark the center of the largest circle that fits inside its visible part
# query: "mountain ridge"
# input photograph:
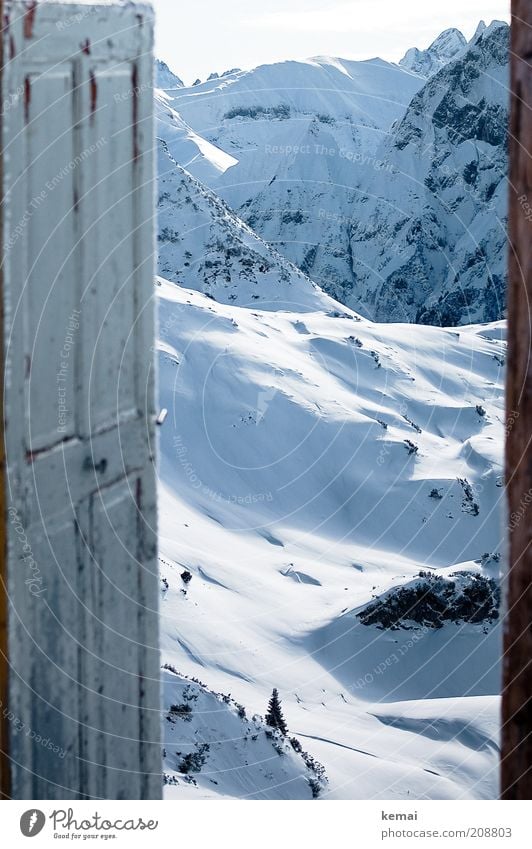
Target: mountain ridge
(309, 147)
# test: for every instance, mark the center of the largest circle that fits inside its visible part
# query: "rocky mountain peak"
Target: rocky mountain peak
(428, 62)
(165, 78)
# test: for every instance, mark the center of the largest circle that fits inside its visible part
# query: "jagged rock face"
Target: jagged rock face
(429, 242)
(428, 62)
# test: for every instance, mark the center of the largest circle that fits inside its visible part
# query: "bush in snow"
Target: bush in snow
(182, 711)
(315, 788)
(193, 761)
(412, 424)
(489, 558)
(469, 505)
(296, 745)
(433, 600)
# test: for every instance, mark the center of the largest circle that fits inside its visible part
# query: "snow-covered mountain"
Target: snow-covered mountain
(444, 48)
(310, 464)
(428, 242)
(330, 488)
(299, 135)
(245, 111)
(318, 158)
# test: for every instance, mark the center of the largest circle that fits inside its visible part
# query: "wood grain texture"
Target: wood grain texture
(516, 762)
(5, 788)
(79, 329)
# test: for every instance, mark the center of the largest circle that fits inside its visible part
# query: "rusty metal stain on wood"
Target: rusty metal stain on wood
(94, 93)
(516, 758)
(27, 98)
(29, 18)
(135, 118)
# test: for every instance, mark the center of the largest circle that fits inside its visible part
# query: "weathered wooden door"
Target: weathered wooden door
(82, 636)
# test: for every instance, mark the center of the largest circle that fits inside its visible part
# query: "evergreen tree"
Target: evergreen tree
(274, 716)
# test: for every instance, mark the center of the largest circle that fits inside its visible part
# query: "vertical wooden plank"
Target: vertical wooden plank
(50, 291)
(516, 758)
(47, 745)
(114, 670)
(107, 215)
(84, 661)
(5, 773)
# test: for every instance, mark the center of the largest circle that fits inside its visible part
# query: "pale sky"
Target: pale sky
(196, 37)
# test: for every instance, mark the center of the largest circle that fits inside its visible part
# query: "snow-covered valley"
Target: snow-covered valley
(291, 493)
(313, 464)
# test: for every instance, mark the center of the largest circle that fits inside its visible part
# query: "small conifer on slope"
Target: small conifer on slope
(274, 716)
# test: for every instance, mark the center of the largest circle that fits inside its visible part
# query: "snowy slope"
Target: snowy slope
(428, 241)
(292, 494)
(213, 749)
(190, 150)
(203, 245)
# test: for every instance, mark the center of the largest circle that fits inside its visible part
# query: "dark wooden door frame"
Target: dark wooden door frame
(4, 722)
(516, 756)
